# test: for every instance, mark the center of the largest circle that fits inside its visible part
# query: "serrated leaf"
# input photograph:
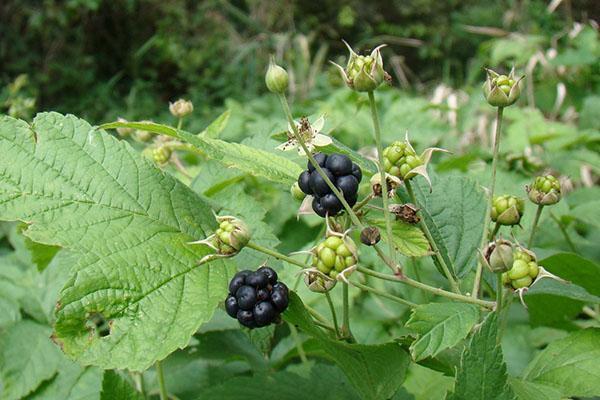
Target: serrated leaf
(114, 387)
(375, 371)
(440, 326)
(408, 239)
(482, 371)
(454, 213)
(216, 127)
(41, 254)
(27, 358)
(73, 382)
(130, 224)
(570, 364)
(254, 161)
(533, 391)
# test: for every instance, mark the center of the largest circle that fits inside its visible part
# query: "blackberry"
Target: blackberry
(256, 298)
(342, 172)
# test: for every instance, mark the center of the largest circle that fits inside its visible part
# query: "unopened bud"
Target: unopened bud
(276, 78)
(499, 255)
(181, 108)
(545, 190)
(161, 155)
(501, 90)
(507, 210)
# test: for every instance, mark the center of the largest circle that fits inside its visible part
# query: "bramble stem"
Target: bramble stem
(416, 284)
(333, 314)
(161, 381)
(383, 294)
(432, 243)
(488, 211)
(538, 213)
(384, 186)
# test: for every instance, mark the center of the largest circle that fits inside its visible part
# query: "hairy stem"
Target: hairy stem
(384, 186)
(333, 314)
(161, 381)
(432, 243)
(488, 211)
(437, 291)
(538, 213)
(383, 294)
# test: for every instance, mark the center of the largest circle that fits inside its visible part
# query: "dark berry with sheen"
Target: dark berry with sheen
(304, 182)
(339, 164)
(320, 158)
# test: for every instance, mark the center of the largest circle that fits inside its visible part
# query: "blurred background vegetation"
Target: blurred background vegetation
(103, 59)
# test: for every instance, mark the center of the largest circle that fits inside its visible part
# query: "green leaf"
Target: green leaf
(576, 269)
(216, 127)
(368, 167)
(72, 382)
(440, 326)
(482, 371)
(376, 371)
(454, 213)
(533, 391)
(114, 386)
(130, 225)
(408, 239)
(570, 364)
(426, 384)
(253, 161)
(27, 358)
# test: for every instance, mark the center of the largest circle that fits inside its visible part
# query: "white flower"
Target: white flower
(309, 134)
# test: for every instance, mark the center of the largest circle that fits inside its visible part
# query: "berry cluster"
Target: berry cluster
(342, 172)
(334, 255)
(507, 210)
(256, 298)
(545, 190)
(399, 159)
(524, 270)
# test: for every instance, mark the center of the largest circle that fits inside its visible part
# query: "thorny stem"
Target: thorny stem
(486, 222)
(432, 243)
(384, 186)
(161, 381)
(381, 293)
(355, 220)
(538, 213)
(437, 291)
(298, 343)
(333, 314)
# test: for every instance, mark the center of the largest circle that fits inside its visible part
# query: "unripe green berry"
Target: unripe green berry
(327, 256)
(340, 264)
(343, 251)
(333, 242)
(533, 269)
(322, 267)
(545, 190)
(519, 269)
(161, 155)
(522, 282)
(296, 192)
(507, 210)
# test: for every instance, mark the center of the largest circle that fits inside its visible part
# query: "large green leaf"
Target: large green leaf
(482, 371)
(27, 358)
(576, 269)
(254, 161)
(440, 326)
(408, 239)
(72, 382)
(570, 364)
(376, 371)
(454, 213)
(533, 391)
(114, 387)
(128, 222)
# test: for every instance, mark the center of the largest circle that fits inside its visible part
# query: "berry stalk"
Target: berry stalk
(538, 213)
(432, 243)
(381, 293)
(385, 190)
(486, 222)
(333, 314)
(437, 291)
(161, 381)
(346, 333)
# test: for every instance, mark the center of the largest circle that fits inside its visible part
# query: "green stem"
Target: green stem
(346, 333)
(298, 343)
(432, 243)
(311, 159)
(499, 291)
(488, 211)
(180, 124)
(363, 202)
(318, 318)
(333, 314)
(437, 291)
(538, 213)
(383, 294)
(161, 381)
(276, 254)
(564, 232)
(384, 186)
(495, 231)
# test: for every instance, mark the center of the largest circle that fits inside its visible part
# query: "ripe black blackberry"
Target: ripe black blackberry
(256, 298)
(342, 172)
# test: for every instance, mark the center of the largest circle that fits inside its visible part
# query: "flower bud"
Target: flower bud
(276, 78)
(499, 255)
(370, 236)
(363, 73)
(545, 190)
(501, 90)
(181, 108)
(507, 210)
(296, 192)
(161, 155)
